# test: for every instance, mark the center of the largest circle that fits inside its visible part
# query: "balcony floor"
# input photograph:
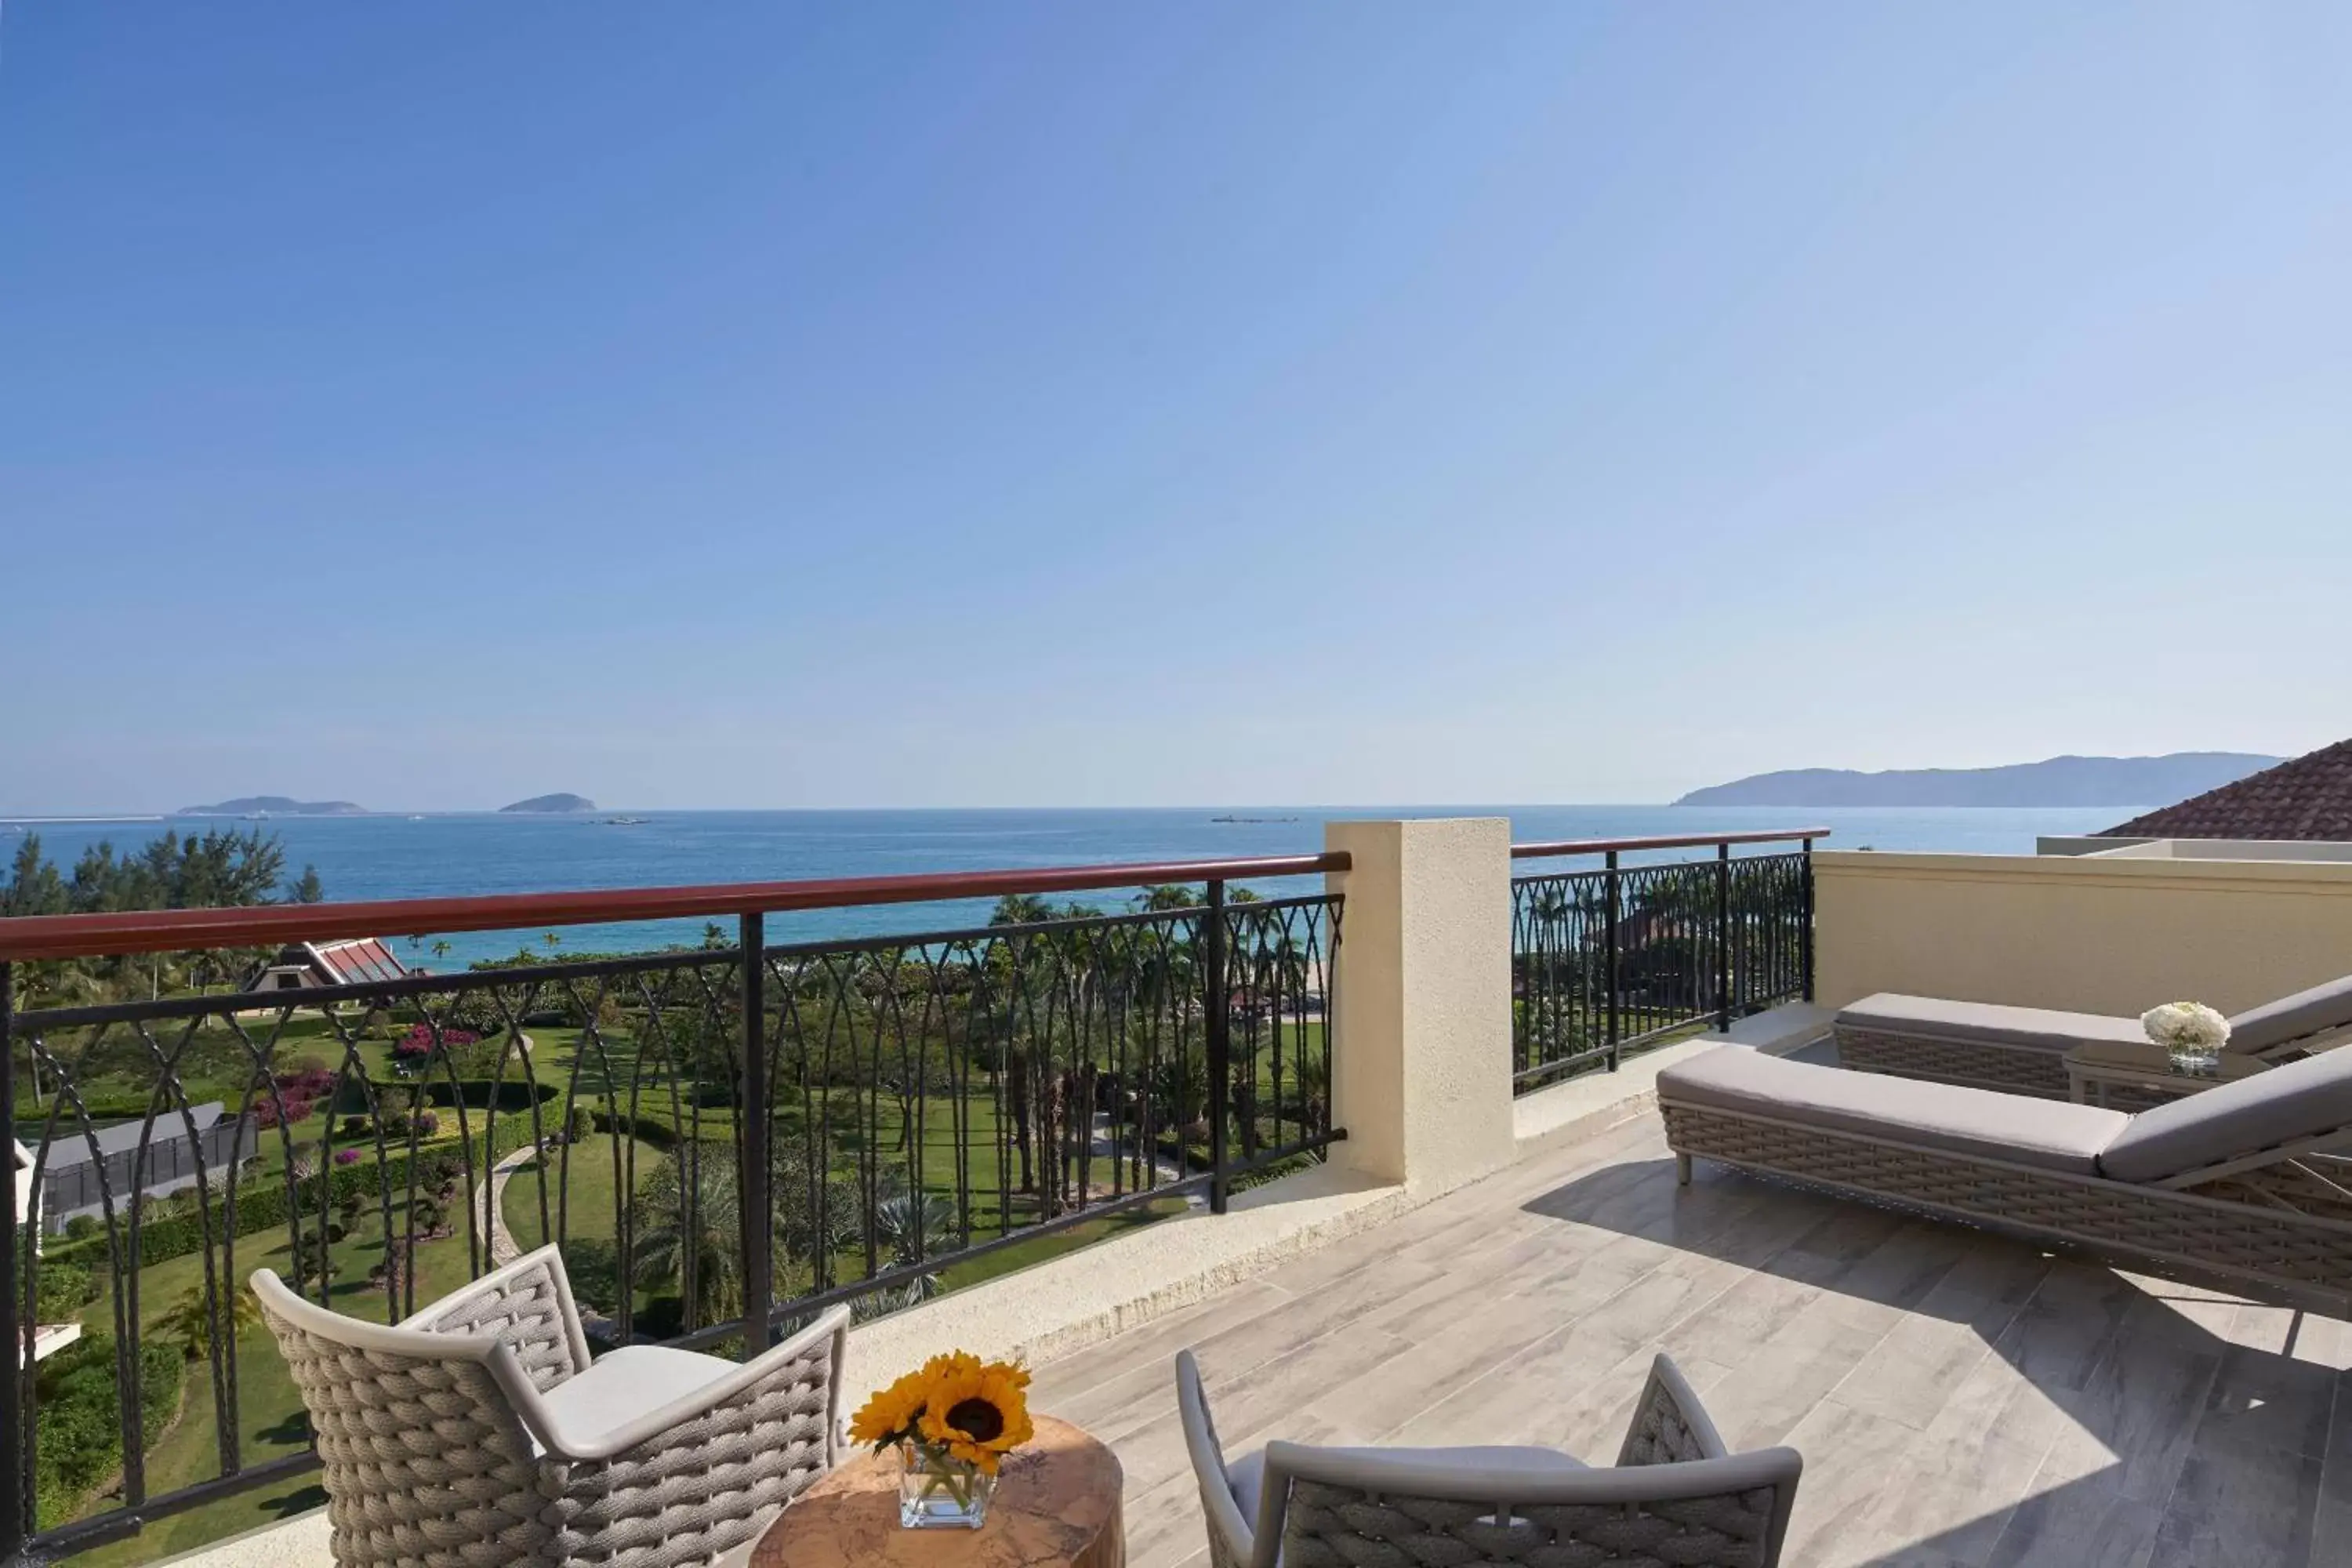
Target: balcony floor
(1957, 1398)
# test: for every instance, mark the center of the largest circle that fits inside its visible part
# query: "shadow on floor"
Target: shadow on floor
(2119, 1419)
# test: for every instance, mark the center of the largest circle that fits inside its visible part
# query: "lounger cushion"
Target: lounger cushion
(1987, 1023)
(2017, 1128)
(2318, 1011)
(2296, 1100)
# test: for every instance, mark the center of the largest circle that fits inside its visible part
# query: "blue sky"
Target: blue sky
(743, 404)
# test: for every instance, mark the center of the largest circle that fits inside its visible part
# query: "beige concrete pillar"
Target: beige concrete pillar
(1421, 1053)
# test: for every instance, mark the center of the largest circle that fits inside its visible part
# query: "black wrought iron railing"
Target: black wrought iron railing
(722, 1139)
(1611, 960)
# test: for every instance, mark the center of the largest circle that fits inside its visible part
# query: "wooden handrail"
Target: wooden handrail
(178, 931)
(1602, 846)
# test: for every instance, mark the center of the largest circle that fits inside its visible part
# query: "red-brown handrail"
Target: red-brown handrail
(1602, 846)
(176, 930)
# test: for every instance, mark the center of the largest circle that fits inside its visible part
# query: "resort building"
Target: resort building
(306, 964)
(83, 1174)
(2307, 799)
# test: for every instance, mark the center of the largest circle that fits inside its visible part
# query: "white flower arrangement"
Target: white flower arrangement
(2189, 1027)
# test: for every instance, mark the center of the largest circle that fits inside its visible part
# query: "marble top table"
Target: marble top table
(1057, 1505)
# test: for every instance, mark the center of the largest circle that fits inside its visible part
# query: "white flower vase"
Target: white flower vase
(2192, 1033)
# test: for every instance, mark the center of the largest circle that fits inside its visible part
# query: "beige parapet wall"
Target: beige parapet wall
(2111, 934)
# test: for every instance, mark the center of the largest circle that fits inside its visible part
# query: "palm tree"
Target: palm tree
(440, 949)
(689, 1233)
(688, 1219)
(189, 1320)
(917, 1227)
(1021, 910)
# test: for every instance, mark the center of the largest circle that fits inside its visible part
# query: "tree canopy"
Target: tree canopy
(213, 870)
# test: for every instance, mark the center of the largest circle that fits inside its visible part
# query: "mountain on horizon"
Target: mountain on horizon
(276, 805)
(551, 802)
(2057, 780)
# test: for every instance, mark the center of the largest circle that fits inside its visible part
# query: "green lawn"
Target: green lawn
(580, 1199)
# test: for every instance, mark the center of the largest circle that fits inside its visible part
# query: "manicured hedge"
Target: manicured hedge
(261, 1206)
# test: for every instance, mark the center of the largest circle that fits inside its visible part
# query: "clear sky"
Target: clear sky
(743, 404)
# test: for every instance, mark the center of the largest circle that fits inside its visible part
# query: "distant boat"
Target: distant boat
(1253, 819)
(416, 819)
(627, 821)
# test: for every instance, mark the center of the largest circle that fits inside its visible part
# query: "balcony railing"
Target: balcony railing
(1613, 960)
(722, 1138)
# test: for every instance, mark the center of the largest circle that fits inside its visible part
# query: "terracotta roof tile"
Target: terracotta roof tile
(2309, 797)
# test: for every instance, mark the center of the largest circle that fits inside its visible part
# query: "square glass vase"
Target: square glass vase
(937, 1491)
(2195, 1061)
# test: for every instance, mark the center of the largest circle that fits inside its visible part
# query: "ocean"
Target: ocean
(396, 856)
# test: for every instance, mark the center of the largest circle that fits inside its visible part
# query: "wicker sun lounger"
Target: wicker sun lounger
(2246, 1183)
(2023, 1050)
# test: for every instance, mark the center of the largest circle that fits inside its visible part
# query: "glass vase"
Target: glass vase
(938, 1491)
(2195, 1061)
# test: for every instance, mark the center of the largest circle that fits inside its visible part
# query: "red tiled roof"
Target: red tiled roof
(350, 963)
(2310, 797)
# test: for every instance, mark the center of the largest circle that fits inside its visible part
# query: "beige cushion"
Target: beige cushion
(626, 1383)
(2320, 1011)
(2017, 1128)
(1247, 1475)
(2296, 1100)
(1990, 1023)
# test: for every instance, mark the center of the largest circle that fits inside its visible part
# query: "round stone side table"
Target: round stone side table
(1057, 1505)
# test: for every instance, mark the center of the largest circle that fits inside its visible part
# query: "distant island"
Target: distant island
(2059, 780)
(552, 804)
(275, 805)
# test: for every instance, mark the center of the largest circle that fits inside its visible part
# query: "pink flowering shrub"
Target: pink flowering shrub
(267, 1112)
(347, 1156)
(418, 1044)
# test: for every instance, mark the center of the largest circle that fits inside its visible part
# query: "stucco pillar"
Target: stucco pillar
(1421, 1052)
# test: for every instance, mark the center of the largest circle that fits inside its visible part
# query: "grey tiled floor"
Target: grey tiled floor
(1958, 1399)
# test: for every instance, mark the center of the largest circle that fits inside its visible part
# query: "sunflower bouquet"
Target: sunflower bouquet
(952, 1421)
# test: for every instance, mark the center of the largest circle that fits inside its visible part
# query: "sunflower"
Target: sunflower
(977, 1411)
(891, 1412)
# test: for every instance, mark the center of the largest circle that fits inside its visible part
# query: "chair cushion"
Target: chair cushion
(2021, 1129)
(2318, 1011)
(2038, 1028)
(1247, 1475)
(2295, 1100)
(625, 1383)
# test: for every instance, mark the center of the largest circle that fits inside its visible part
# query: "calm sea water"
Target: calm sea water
(440, 856)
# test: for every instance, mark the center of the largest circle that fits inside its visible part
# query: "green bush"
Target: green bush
(64, 1288)
(81, 1421)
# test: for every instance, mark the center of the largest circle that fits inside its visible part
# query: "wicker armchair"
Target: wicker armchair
(479, 1435)
(1674, 1496)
